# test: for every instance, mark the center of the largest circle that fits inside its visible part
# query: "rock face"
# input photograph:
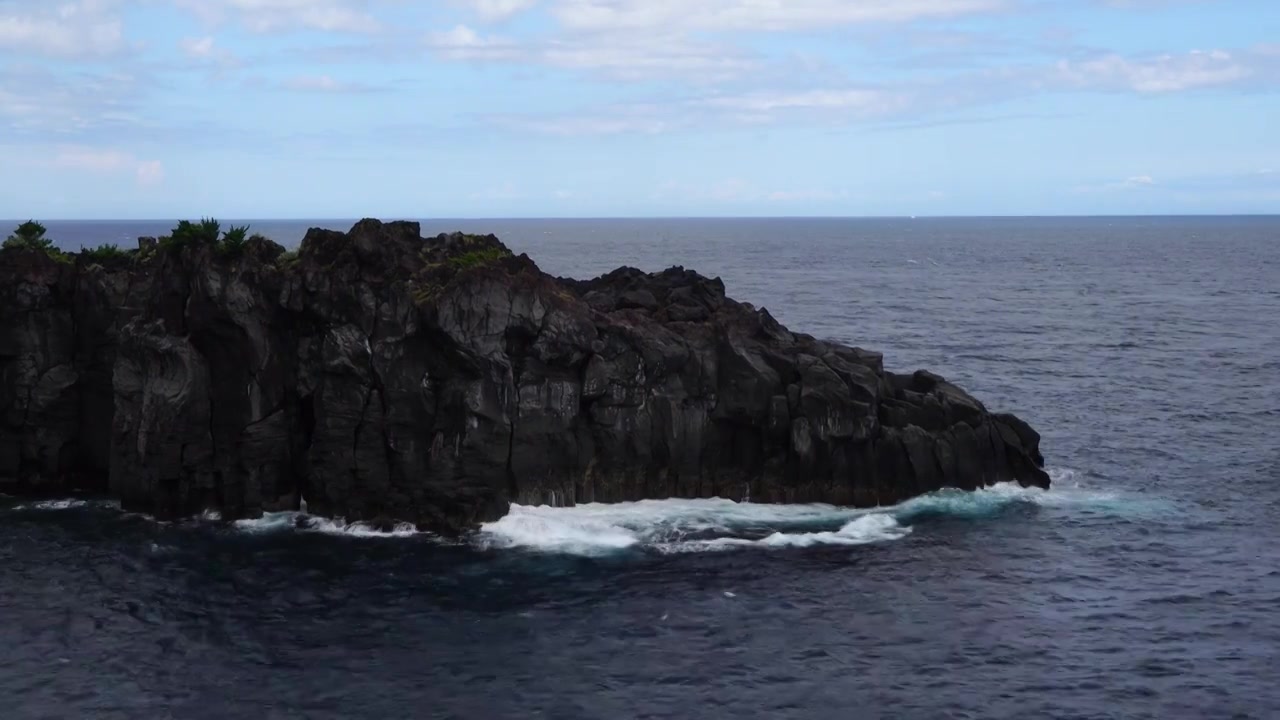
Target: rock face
(382, 376)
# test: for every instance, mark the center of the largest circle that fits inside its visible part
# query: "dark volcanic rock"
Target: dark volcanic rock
(385, 378)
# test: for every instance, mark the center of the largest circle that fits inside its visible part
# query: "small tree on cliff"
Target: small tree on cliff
(208, 233)
(187, 233)
(234, 241)
(30, 235)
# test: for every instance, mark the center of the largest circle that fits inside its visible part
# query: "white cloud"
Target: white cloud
(631, 58)
(280, 15)
(709, 41)
(765, 15)
(1133, 182)
(109, 161)
(207, 51)
(941, 97)
(642, 39)
(637, 58)
(36, 99)
(463, 43)
(602, 123)
(85, 28)
(1162, 74)
(323, 83)
(197, 47)
(150, 172)
(856, 101)
(499, 9)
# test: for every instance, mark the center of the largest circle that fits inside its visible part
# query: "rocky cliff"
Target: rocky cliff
(383, 376)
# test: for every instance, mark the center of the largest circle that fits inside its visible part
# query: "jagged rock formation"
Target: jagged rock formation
(386, 377)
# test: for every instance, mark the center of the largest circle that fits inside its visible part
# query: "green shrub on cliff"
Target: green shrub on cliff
(234, 241)
(436, 276)
(30, 235)
(105, 254)
(208, 233)
(189, 234)
(477, 258)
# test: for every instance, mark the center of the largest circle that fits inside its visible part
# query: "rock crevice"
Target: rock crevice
(391, 378)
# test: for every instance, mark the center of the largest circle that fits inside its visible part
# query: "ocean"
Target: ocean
(1145, 584)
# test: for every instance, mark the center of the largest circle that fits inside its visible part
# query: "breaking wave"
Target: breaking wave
(680, 526)
(870, 528)
(298, 521)
(683, 526)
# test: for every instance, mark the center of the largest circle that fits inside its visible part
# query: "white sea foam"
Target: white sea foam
(269, 522)
(875, 527)
(683, 526)
(557, 532)
(871, 527)
(282, 521)
(52, 505)
(678, 526)
(67, 504)
(362, 530)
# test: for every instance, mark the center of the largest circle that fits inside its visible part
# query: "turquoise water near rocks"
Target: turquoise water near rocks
(1146, 583)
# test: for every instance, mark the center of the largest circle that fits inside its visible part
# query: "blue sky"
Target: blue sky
(563, 108)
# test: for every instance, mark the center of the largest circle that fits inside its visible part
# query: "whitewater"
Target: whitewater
(677, 525)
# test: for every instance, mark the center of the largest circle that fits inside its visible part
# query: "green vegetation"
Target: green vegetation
(30, 235)
(189, 234)
(477, 258)
(471, 240)
(436, 276)
(107, 254)
(208, 233)
(234, 242)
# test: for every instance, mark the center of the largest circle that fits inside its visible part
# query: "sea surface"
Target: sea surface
(1145, 584)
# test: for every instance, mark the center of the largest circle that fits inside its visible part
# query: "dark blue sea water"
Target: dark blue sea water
(1146, 584)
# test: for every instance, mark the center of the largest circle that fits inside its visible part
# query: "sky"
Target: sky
(124, 109)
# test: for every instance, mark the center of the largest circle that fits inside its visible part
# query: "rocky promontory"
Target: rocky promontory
(387, 377)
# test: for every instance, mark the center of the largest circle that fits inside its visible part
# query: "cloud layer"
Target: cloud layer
(690, 100)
